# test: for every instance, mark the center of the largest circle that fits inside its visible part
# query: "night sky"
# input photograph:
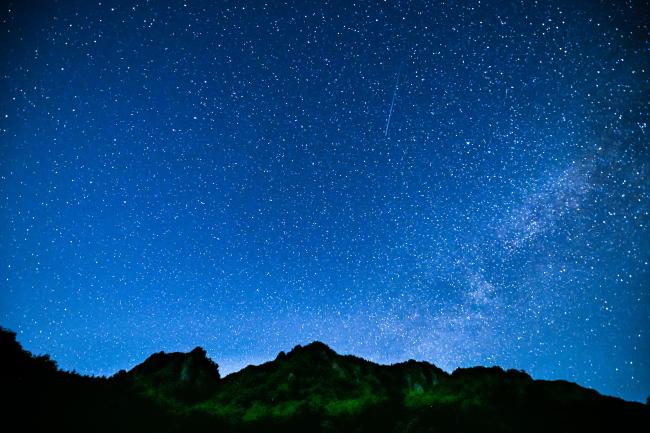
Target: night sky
(464, 183)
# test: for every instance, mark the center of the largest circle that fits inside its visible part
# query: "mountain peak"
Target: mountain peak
(199, 351)
(315, 351)
(163, 360)
(188, 375)
(314, 347)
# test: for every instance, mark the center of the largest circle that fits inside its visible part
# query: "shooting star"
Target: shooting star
(392, 103)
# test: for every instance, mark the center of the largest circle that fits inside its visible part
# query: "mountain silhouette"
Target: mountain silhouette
(184, 376)
(309, 389)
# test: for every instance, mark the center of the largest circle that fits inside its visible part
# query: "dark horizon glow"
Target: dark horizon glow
(459, 182)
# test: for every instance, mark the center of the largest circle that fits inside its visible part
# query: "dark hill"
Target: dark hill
(309, 389)
(188, 377)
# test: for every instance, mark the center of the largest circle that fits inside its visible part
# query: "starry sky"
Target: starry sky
(462, 182)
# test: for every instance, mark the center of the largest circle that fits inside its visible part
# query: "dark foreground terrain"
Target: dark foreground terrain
(310, 389)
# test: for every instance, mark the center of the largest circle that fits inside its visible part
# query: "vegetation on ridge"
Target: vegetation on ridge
(311, 388)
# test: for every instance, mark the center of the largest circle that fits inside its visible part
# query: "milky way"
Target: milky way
(459, 182)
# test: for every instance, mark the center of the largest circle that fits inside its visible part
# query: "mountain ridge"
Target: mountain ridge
(310, 388)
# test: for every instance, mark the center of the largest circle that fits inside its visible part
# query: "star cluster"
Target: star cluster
(462, 182)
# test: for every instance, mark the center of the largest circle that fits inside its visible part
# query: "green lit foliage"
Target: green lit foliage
(309, 389)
